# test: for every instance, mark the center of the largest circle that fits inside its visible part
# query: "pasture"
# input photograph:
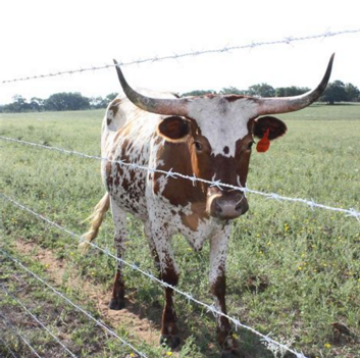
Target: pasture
(292, 271)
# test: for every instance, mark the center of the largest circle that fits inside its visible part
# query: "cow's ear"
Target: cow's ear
(174, 128)
(276, 127)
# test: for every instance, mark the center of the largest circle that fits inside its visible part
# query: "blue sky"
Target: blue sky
(45, 36)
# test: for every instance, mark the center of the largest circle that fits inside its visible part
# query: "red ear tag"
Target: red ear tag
(264, 144)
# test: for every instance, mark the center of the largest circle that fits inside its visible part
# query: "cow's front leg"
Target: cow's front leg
(218, 254)
(117, 301)
(168, 273)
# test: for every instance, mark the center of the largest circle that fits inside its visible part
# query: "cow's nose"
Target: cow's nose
(226, 207)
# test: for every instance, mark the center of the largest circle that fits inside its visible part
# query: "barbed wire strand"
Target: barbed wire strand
(311, 203)
(98, 322)
(254, 44)
(15, 331)
(38, 321)
(210, 308)
(8, 348)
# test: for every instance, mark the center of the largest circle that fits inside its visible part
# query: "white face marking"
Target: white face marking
(222, 122)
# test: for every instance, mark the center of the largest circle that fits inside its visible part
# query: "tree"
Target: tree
(290, 91)
(335, 92)
(232, 90)
(19, 104)
(198, 93)
(97, 102)
(66, 101)
(261, 90)
(36, 104)
(353, 93)
(110, 97)
(102, 103)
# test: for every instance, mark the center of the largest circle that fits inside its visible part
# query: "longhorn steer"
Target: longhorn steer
(209, 136)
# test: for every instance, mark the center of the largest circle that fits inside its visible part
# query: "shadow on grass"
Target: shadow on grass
(201, 327)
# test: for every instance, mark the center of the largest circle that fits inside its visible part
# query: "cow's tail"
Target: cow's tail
(96, 218)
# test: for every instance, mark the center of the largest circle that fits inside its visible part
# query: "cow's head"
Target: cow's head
(219, 132)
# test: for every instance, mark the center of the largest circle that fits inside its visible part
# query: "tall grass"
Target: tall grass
(292, 271)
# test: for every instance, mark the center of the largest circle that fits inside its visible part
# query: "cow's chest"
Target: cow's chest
(168, 219)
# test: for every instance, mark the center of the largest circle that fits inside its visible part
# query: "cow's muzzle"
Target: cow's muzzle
(226, 205)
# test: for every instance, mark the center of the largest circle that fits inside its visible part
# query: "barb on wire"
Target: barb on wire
(16, 332)
(349, 212)
(8, 348)
(107, 252)
(38, 321)
(77, 307)
(285, 41)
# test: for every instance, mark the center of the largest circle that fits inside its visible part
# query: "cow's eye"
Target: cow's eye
(250, 145)
(198, 146)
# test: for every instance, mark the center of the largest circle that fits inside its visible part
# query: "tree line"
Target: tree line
(336, 91)
(57, 102)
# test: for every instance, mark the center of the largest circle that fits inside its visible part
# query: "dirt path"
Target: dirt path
(58, 270)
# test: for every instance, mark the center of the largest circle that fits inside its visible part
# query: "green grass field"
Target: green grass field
(293, 272)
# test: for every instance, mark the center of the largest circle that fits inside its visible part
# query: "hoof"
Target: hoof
(117, 304)
(172, 341)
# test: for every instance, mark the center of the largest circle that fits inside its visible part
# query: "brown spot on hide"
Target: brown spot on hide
(211, 96)
(181, 158)
(133, 209)
(118, 175)
(232, 98)
(198, 213)
(114, 106)
(191, 221)
(123, 132)
(109, 178)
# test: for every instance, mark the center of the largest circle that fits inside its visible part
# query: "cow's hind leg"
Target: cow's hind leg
(169, 274)
(152, 246)
(117, 301)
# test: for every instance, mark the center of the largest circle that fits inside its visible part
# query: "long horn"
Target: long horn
(158, 106)
(288, 104)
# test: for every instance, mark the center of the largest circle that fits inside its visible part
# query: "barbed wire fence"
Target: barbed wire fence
(311, 203)
(226, 49)
(16, 332)
(6, 346)
(35, 318)
(99, 323)
(133, 266)
(210, 308)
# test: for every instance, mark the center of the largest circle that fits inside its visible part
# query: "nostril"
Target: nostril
(218, 208)
(238, 207)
